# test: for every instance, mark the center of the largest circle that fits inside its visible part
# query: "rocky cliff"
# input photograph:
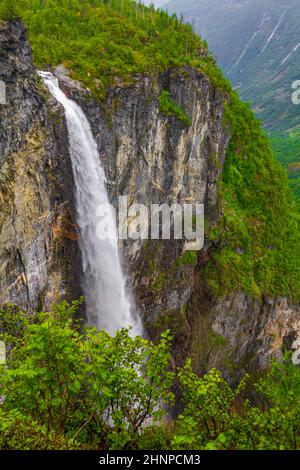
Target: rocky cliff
(38, 250)
(151, 158)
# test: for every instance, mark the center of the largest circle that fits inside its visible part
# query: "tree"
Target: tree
(209, 408)
(80, 383)
(216, 416)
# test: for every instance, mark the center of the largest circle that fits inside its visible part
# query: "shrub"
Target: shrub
(169, 108)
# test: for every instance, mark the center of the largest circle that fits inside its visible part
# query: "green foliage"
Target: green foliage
(154, 438)
(208, 408)
(100, 40)
(286, 146)
(219, 417)
(75, 381)
(278, 426)
(23, 433)
(257, 240)
(169, 108)
(263, 78)
(188, 257)
(8, 9)
(68, 386)
(250, 71)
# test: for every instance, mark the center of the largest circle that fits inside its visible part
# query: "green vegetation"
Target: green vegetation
(286, 146)
(258, 236)
(218, 417)
(71, 380)
(169, 108)
(68, 386)
(188, 257)
(264, 78)
(100, 40)
(8, 10)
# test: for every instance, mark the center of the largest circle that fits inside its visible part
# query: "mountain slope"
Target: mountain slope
(257, 44)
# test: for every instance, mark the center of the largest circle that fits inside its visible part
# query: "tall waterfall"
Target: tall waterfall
(104, 285)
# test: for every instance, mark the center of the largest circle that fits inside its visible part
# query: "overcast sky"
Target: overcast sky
(157, 3)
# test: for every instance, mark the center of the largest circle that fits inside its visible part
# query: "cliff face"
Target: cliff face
(154, 158)
(36, 184)
(151, 158)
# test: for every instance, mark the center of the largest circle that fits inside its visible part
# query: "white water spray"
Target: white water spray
(104, 286)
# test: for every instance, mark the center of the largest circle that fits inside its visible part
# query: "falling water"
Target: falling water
(104, 285)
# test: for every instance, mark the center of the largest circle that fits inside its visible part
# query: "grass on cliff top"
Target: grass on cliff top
(99, 40)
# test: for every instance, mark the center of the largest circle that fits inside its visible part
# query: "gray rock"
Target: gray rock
(37, 258)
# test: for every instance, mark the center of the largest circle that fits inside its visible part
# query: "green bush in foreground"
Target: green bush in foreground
(68, 386)
(84, 384)
(218, 417)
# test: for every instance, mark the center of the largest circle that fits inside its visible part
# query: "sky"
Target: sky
(157, 3)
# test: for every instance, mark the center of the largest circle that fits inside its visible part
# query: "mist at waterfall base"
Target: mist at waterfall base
(108, 304)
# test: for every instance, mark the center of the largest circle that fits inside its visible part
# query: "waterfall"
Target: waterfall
(108, 304)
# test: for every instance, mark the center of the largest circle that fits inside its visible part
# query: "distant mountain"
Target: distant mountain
(257, 44)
